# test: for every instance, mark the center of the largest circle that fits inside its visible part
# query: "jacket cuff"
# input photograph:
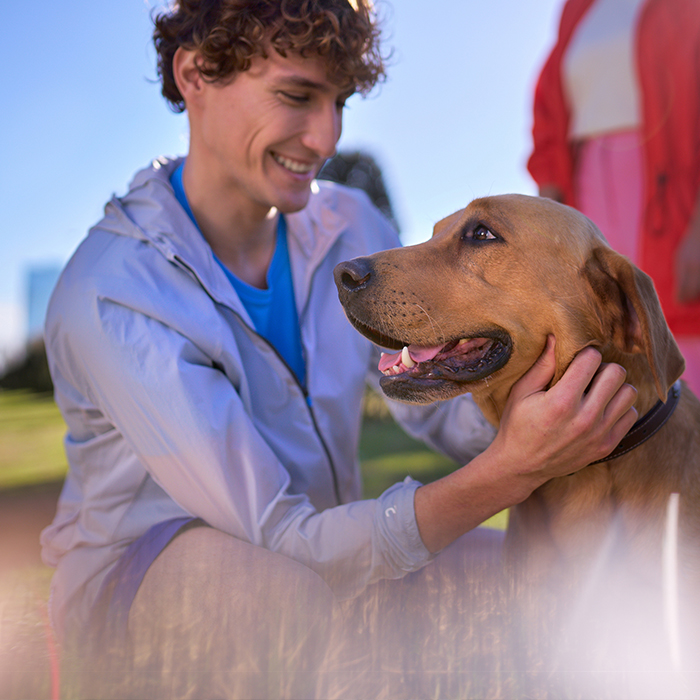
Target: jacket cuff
(395, 521)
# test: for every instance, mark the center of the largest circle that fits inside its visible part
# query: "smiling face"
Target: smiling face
(263, 136)
(471, 308)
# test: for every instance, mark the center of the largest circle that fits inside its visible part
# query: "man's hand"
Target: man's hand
(544, 433)
(554, 432)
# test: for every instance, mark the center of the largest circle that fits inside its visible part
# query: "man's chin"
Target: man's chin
(291, 205)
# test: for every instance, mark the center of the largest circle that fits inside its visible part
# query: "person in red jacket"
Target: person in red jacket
(616, 134)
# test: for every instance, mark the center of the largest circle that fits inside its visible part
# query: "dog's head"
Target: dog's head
(475, 303)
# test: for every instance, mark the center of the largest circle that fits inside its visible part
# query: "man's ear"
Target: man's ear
(630, 315)
(187, 76)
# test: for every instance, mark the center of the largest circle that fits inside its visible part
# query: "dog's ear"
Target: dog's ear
(447, 223)
(631, 315)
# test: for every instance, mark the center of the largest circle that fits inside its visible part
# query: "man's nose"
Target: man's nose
(323, 130)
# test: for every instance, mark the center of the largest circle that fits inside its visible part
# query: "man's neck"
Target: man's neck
(242, 237)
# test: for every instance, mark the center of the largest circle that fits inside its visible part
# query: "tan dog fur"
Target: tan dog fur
(524, 267)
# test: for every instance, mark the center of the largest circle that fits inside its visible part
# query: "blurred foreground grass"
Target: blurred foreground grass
(31, 453)
(25, 638)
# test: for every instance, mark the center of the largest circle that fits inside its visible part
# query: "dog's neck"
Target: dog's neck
(492, 400)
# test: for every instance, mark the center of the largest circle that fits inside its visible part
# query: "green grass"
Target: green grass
(388, 455)
(31, 435)
(32, 430)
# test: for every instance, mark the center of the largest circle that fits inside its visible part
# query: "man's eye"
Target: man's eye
(295, 98)
(481, 233)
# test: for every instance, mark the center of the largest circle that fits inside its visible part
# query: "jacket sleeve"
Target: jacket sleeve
(180, 419)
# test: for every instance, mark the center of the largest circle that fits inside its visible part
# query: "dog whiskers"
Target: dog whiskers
(432, 323)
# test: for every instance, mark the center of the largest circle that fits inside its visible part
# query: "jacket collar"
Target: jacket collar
(311, 234)
(150, 212)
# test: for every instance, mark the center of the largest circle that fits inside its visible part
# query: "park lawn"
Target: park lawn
(388, 455)
(32, 430)
(31, 440)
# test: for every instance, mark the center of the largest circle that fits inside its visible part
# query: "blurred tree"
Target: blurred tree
(30, 372)
(358, 169)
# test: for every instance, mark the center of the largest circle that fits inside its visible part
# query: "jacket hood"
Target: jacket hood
(147, 213)
(148, 206)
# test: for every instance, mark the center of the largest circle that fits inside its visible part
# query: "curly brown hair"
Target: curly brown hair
(227, 34)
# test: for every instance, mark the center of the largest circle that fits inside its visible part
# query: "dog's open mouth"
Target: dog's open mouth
(415, 368)
(460, 360)
(463, 360)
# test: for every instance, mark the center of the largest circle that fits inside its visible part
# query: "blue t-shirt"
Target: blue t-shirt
(272, 310)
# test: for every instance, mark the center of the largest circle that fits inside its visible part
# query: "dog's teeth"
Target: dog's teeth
(462, 341)
(406, 358)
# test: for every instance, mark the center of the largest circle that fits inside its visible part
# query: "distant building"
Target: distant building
(23, 364)
(40, 284)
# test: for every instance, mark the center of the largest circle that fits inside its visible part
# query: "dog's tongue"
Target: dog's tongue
(419, 353)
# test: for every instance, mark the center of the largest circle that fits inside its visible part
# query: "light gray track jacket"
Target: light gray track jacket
(176, 406)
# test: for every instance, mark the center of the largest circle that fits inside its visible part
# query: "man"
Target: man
(212, 386)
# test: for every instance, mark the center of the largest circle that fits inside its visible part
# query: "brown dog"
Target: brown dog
(474, 306)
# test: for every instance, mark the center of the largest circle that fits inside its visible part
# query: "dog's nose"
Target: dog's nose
(353, 275)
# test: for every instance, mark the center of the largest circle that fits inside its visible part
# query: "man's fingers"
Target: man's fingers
(621, 411)
(607, 380)
(624, 424)
(617, 432)
(612, 399)
(539, 375)
(608, 393)
(580, 373)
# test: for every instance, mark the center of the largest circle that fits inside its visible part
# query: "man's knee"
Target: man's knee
(209, 578)
(476, 553)
(213, 609)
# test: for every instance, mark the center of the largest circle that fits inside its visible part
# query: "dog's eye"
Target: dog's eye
(481, 233)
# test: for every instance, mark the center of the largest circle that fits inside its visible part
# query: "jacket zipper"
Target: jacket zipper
(302, 388)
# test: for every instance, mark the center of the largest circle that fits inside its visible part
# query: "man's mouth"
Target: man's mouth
(295, 166)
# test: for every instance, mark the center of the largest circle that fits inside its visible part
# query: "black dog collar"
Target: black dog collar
(647, 425)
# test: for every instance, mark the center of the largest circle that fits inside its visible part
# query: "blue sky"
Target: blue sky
(81, 113)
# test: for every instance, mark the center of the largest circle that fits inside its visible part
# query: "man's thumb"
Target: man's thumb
(540, 374)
